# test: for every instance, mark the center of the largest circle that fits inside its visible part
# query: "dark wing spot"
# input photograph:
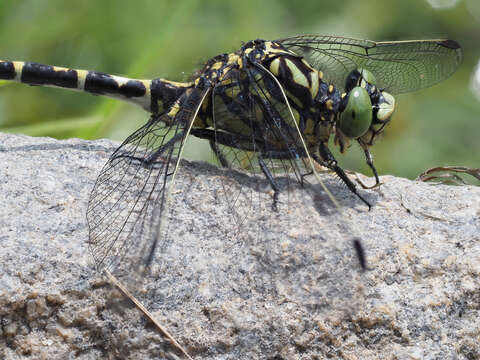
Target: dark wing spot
(451, 44)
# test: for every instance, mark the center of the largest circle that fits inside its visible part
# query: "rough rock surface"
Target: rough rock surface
(294, 292)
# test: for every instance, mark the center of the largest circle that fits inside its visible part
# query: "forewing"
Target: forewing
(399, 66)
(129, 201)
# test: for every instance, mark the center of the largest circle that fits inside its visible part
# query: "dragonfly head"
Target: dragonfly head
(365, 109)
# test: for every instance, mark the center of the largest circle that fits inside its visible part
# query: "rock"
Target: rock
(287, 286)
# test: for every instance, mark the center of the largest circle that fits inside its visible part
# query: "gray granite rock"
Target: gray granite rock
(288, 286)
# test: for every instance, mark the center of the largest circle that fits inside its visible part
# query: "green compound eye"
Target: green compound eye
(357, 116)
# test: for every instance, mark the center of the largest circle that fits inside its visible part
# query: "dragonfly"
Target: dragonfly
(269, 108)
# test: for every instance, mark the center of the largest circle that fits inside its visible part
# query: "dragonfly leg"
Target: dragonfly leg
(223, 138)
(303, 176)
(271, 180)
(369, 161)
(215, 138)
(219, 154)
(283, 154)
(240, 142)
(330, 162)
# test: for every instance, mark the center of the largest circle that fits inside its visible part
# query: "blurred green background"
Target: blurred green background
(170, 39)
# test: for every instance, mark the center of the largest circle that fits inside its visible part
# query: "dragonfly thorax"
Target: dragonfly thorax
(314, 103)
(282, 76)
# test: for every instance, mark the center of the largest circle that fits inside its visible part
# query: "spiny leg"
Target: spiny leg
(223, 138)
(214, 138)
(243, 143)
(283, 154)
(357, 244)
(271, 180)
(330, 162)
(218, 154)
(369, 161)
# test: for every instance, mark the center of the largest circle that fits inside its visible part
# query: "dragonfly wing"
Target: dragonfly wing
(399, 66)
(127, 207)
(253, 132)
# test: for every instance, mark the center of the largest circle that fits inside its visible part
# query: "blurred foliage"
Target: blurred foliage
(435, 127)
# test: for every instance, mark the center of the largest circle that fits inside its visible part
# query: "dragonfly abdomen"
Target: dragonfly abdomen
(97, 83)
(152, 95)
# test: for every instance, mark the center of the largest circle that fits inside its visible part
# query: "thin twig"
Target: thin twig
(147, 313)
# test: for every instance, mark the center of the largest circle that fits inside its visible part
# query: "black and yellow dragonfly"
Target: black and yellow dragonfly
(269, 108)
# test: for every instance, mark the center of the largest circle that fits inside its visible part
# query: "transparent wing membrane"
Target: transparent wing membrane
(253, 131)
(399, 66)
(129, 201)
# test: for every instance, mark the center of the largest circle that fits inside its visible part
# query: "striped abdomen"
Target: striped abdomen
(152, 95)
